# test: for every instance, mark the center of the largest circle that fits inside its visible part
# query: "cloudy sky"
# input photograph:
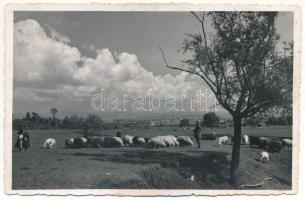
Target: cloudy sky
(61, 59)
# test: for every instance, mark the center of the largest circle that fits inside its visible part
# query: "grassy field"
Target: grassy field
(141, 168)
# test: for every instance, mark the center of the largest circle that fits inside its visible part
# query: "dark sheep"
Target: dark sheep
(231, 139)
(275, 146)
(69, 142)
(95, 141)
(78, 143)
(112, 142)
(210, 136)
(135, 140)
(254, 141)
(146, 139)
(264, 142)
(91, 141)
(287, 143)
(138, 141)
(185, 141)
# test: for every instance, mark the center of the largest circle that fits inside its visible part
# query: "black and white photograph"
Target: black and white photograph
(140, 100)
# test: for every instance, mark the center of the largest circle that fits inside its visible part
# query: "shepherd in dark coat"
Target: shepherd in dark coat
(26, 139)
(19, 138)
(196, 132)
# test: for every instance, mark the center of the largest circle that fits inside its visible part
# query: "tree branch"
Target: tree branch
(196, 16)
(249, 111)
(189, 71)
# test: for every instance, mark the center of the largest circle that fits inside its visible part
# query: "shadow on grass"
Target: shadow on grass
(208, 169)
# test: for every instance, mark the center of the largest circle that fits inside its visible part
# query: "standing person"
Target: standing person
(196, 132)
(26, 140)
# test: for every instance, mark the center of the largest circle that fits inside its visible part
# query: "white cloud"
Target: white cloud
(39, 58)
(52, 67)
(56, 36)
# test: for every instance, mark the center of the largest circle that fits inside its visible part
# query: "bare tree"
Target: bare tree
(237, 64)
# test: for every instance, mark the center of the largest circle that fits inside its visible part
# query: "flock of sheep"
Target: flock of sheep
(126, 140)
(271, 145)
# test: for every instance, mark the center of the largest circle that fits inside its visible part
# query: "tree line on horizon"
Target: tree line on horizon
(33, 121)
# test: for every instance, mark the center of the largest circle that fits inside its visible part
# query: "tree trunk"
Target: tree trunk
(236, 152)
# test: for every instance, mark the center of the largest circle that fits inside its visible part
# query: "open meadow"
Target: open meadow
(143, 168)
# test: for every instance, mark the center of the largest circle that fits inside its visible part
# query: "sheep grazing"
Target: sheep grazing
(174, 139)
(95, 141)
(264, 142)
(79, 142)
(254, 141)
(146, 139)
(264, 157)
(113, 142)
(167, 141)
(274, 146)
(245, 139)
(156, 142)
(140, 142)
(135, 140)
(127, 140)
(84, 140)
(185, 141)
(209, 136)
(69, 142)
(171, 141)
(49, 143)
(287, 143)
(223, 140)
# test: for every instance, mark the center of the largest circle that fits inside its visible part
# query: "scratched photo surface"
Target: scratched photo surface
(152, 100)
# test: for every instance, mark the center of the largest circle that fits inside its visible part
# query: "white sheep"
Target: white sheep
(223, 140)
(113, 142)
(156, 142)
(174, 139)
(49, 143)
(167, 140)
(246, 139)
(119, 141)
(264, 157)
(287, 142)
(84, 140)
(127, 140)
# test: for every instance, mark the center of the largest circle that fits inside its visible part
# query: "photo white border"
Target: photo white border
(8, 81)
